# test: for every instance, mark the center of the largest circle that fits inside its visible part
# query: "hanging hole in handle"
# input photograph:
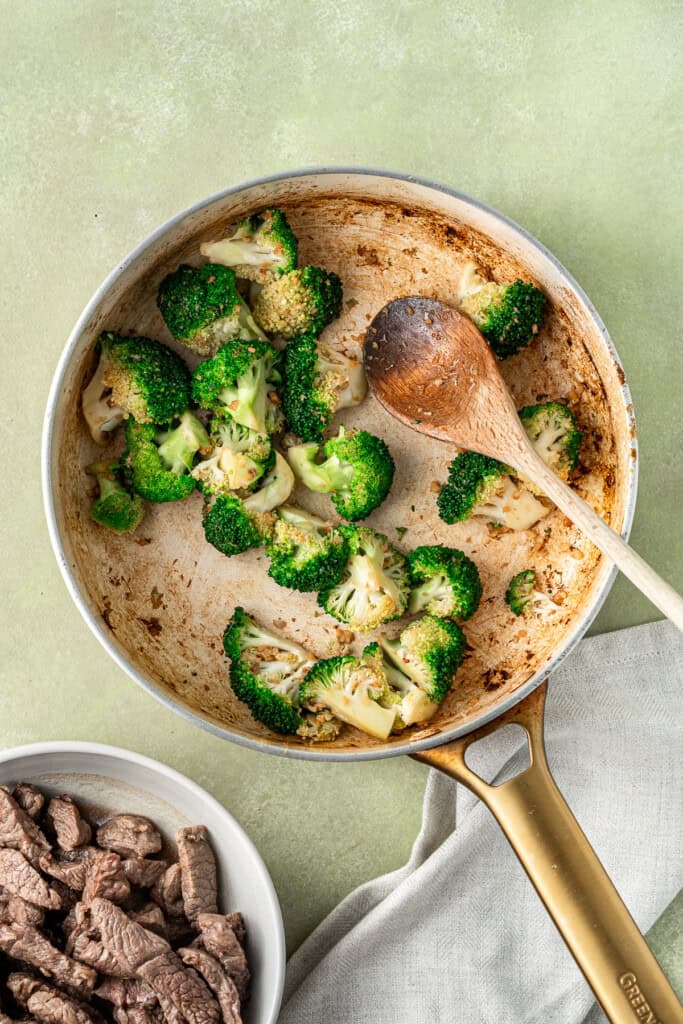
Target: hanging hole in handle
(500, 756)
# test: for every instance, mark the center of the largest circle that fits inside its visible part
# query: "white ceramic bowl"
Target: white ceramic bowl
(110, 780)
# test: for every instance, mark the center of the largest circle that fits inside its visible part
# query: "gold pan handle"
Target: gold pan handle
(566, 873)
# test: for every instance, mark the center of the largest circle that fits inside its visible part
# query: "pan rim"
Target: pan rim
(582, 623)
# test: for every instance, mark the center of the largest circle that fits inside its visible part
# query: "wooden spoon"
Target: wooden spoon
(430, 367)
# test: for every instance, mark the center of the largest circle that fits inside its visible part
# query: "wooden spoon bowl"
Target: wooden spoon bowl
(431, 368)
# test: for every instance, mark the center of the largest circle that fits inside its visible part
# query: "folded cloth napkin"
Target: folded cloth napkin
(458, 934)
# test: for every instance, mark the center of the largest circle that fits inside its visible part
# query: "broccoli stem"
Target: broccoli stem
(178, 447)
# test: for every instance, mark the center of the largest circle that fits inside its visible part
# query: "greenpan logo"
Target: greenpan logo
(641, 1008)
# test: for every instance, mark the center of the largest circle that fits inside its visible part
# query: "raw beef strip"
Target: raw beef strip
(130, 835)
(46, 1003)
(26, 943)
(222, 986)
(198, 872)
(65, 820)
(29, 798)
(181, 992)
(18, 877)
(218, 938)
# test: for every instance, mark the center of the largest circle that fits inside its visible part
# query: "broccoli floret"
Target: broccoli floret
(351, 688)
(402, 695)
(445, 582)
(318, 381)
(374, 586)
(238, 459)
(428, 651)
(303, 301)
(480, 486)
(358, 471)
(202, 308)
(319, 726)
(554, 434)
(135, 377)
(508, 315)
(306, 553)
(159, 460)
(240, 381)
(266, 672)
(231, 528)
(524, 598)
(261, 247)
(114, 508)
(274, 490)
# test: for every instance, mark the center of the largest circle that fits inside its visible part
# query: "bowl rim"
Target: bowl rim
(582, 623)
(78, 747)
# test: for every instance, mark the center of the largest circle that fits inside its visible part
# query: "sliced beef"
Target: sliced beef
(64, 818)
(142, 872)
(26, 943)
(131, 835)
(18, 831)
(182, 994)
(126, 992)
(126, 944)
(104, 878)
(13, 908)
(45, 1002)
(29, 798)
(236, 922)
(91, 951)
(198, 872)
(152, 917)
(168, 893)
(222, 986)
(4, 1019)
(138, 1015)
(218, 937)
(18, 877)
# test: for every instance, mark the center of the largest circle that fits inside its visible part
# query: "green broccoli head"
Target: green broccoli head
(266, 671)
(358, 471)
(318, 381)
(306, 553)
(240, 381)
(231, 528)
(304, 301)
(202, 308)
(114, 507)
(554, 434)
(351, 689)
(481, 487)
(374, 586)
(445, 582)
(524, 597)
(135, 377)
(428, 651)
(239, 458)
(261, 247)
(158, 461)
(508, 315)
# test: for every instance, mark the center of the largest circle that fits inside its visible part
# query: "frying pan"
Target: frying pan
(159, 601)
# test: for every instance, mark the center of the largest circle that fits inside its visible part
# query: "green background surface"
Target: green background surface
(116, 115)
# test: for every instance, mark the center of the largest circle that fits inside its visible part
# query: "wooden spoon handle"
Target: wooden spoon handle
(603, 536)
